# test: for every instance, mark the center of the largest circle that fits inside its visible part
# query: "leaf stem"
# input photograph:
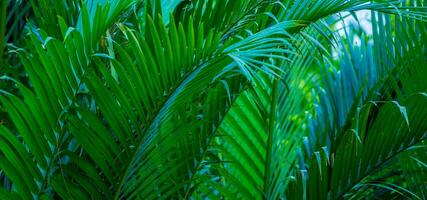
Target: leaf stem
(271, 127)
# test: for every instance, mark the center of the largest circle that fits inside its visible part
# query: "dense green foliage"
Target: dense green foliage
(213, 99)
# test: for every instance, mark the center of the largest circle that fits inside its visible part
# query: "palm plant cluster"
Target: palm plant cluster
(213, 99)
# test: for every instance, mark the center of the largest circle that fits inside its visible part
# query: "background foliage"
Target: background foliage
(213, 99)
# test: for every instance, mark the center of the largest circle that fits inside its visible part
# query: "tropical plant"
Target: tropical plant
(213, 99)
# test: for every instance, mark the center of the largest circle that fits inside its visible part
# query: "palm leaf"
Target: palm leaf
(125, 101)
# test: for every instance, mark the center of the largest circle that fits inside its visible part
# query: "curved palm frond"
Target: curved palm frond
(369, 132)
(215, 99)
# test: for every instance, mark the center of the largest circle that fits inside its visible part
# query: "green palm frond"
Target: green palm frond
(212, 99)
(377, 129)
